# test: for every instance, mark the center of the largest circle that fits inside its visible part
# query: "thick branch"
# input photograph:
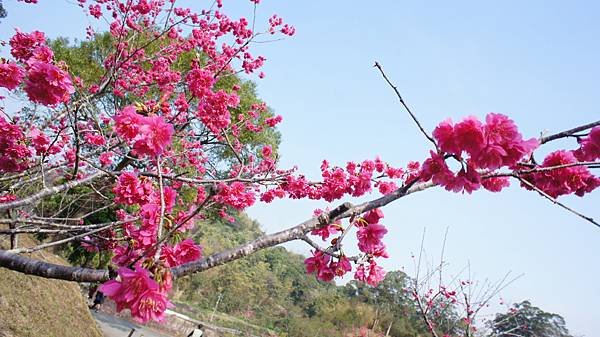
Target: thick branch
(567, 133)
(345, 210)
(262, 242)
(49, 270)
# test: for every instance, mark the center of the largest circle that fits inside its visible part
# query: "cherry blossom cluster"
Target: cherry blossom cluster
(569, 177)
(14, 155)
(576, 180)
(369, 234)
(476, 146)
(148, 135)
(138, 289)
(44, 81)
(484, 148)
(139, 292)
(590, 146)
(356, 179)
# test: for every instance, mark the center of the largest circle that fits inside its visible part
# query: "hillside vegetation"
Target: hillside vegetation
(35, 306)
(270, 292)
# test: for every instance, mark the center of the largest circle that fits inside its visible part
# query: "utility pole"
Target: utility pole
(215, 308)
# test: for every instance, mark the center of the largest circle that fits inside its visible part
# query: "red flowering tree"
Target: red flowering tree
(161, 139)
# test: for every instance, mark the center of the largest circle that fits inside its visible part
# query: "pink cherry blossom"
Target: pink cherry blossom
(39, 140)
(47, 84)
(373, 216)
(575, 179)
(495, 184)
(154, 136)
(444, 135)
(469, 135)
(341, 267)
(200, 82)
(124, 255)
(372, 275)
(319, 264)
(436, 169)
(128, 122)
(184, 252)
(11, 75)
(137, 291)
(376, 274)
(589, 146)
(369, 237)
(235, 195)
(23, 44)
(150, 305)
(325, 231)
(14, 155)
(130, 190)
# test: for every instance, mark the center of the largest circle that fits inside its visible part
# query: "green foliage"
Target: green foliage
(85, 60)
(2, 10)
(77, 255)
(526, 320)
(396, 308)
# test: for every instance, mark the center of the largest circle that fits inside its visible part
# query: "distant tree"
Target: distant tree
(2, 10)
(396, 308)
(526, 320)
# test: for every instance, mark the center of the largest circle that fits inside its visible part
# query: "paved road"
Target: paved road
(115, 327)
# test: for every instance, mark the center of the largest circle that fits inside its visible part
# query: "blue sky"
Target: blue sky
(536, 61)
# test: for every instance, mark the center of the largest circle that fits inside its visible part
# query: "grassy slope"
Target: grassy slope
(34, 306)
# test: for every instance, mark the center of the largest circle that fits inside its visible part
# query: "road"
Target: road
(115, 327)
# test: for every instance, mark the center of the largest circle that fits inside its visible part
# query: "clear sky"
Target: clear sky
(536, 61)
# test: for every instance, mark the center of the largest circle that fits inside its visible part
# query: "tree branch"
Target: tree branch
(48, 270)
(414, 118)
(567, 133)
(556, 202)
(49, 191)
(71, 238)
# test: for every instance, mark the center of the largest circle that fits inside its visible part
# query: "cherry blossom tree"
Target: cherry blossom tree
(163, 140)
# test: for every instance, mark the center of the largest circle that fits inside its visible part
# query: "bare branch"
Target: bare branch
(50, 270)
(567, 133)
(556, 202)
(414, 118)
(161, 220)
(60, 242)
(49, 191)
(327, 251)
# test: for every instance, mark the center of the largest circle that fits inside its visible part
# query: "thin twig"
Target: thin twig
(162, 207)
(589, 164)
(378, 66)
(59, 242)
(327, 251)
(556, 202)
